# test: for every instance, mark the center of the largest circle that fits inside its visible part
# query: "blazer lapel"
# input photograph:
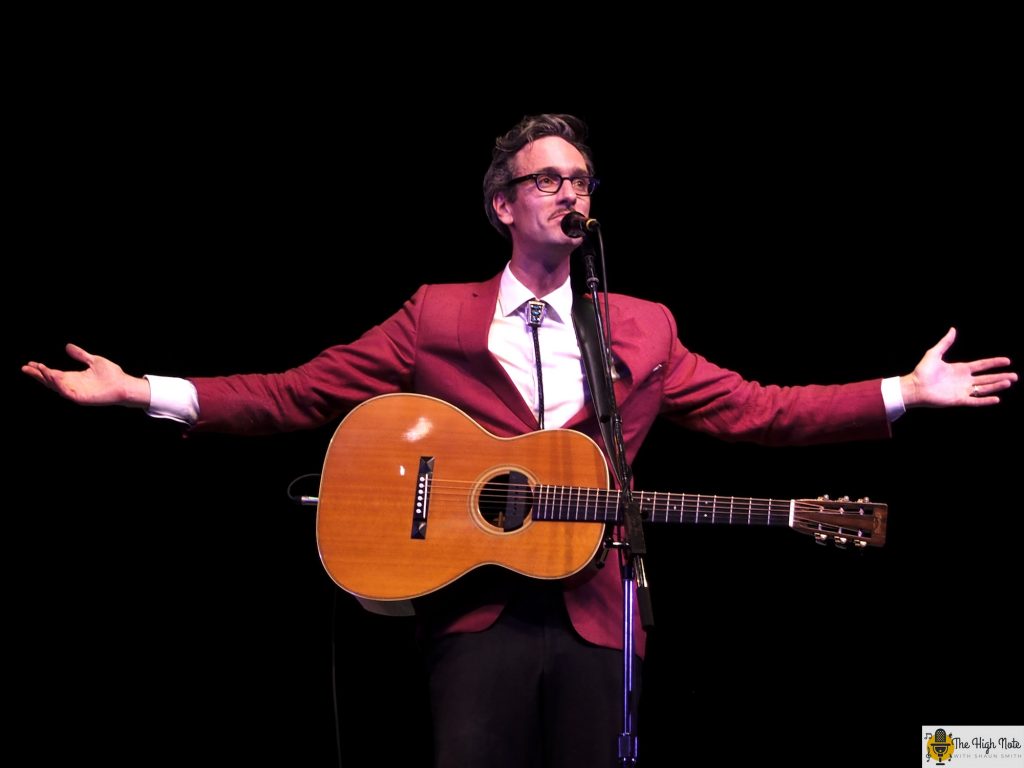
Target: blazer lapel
(475, 317)
(625, 351)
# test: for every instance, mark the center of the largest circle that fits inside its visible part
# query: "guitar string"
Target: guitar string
(759, 509)
(459, 487)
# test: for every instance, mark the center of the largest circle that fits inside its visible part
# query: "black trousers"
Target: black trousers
(527, 692)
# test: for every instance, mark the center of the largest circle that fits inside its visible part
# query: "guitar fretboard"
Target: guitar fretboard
(570, 504)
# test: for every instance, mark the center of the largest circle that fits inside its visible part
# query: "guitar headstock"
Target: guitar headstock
(845, 522)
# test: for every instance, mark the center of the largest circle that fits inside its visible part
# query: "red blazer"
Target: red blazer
(436, 344)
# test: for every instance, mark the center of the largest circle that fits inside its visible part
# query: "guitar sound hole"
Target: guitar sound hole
(506, 501)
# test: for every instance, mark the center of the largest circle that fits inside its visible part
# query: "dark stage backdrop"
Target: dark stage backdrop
(166, 600)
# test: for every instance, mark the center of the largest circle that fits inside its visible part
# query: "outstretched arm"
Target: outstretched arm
(101, 383)
(934, 383)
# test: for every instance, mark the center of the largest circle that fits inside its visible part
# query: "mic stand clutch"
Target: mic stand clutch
(633, 549)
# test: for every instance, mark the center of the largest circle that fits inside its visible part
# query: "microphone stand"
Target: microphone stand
(633, 548)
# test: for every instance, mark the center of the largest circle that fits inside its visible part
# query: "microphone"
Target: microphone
(575, 224)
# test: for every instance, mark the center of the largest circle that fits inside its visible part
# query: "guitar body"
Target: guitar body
(394, 452)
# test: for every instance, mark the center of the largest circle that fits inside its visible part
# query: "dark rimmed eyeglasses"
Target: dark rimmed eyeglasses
(549, 183)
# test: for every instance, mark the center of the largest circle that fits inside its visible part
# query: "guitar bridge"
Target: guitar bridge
(421, 501)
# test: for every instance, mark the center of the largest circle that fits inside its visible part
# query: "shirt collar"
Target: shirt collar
(512, 295)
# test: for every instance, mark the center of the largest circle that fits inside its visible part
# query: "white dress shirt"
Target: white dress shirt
(511, 342)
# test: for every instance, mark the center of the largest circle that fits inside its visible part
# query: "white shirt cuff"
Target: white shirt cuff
(172, 398)
(892, 396)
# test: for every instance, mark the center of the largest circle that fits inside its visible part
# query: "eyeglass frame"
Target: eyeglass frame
(592, 182)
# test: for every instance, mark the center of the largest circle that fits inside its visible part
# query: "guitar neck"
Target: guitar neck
(569, 504)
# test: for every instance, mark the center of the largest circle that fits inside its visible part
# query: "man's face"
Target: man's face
(534, 218)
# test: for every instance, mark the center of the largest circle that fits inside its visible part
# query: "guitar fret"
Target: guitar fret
(731, 500)
(750, 502)
(714, 505)
(769, 512)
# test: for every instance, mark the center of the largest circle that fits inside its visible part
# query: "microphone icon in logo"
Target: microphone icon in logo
(939, 746)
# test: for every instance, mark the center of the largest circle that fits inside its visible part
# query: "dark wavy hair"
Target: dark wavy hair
(530, 128)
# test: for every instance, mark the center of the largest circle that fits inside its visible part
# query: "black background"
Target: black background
(804, 222)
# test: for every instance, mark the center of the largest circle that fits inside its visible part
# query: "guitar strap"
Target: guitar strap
(590, 349)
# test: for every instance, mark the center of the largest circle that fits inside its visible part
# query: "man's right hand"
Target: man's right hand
(101, 383)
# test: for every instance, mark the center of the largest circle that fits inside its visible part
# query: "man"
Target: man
(526, 673)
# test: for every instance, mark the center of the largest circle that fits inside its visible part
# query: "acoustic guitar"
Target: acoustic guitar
(415, 494)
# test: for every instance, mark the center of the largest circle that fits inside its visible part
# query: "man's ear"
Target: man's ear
(502, 208)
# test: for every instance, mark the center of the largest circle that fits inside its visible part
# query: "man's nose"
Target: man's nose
(566, 190)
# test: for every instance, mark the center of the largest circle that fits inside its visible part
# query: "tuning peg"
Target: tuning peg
(823, 498)
(864, 500)
(860, 543)
(821, 538)
(843, 499)
(841, 541)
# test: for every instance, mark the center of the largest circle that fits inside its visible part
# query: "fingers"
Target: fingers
(945, 342)
(984, 388)
(44, 375)
(998, 380)
(32, 369)
(988, 363)
(75, 352)
(982, 401)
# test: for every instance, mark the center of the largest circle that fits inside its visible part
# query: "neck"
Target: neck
(541, 273)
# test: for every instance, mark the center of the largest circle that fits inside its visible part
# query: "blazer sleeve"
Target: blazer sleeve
(381, 361)
(703, 396)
